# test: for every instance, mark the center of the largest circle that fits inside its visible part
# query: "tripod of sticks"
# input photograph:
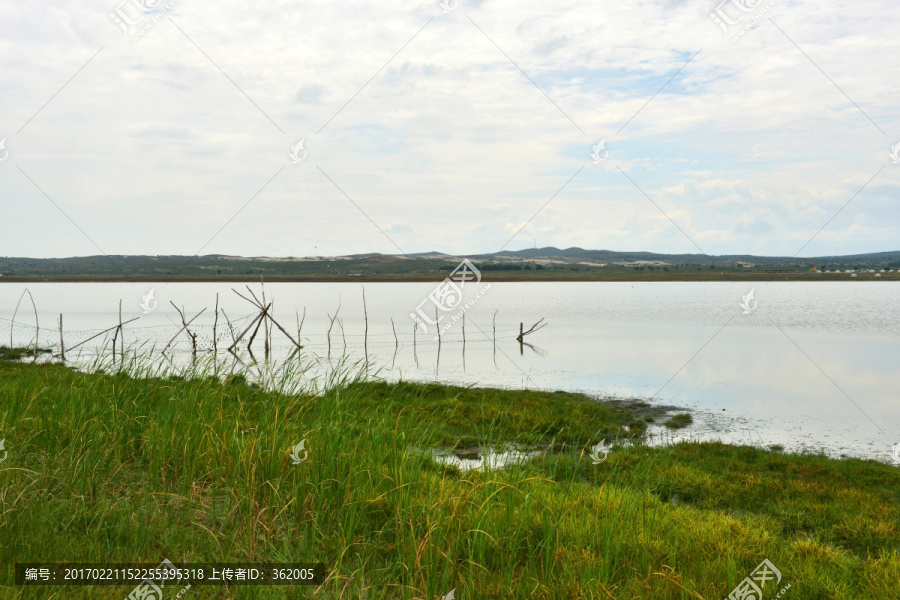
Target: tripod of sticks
(262, 319)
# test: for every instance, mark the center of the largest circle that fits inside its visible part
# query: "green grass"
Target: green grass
(19, 353)
(111, 467)
(679, 421)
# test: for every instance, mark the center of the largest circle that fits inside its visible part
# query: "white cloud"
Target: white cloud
(151, 149)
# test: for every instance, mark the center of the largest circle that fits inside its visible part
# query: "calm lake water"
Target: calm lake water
(813, 366)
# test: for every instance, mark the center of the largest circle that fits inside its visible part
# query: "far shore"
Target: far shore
(531, 277)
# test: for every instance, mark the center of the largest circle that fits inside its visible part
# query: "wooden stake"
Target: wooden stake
(106, 331)
(228, 321)
(495, 338)
(62, 345)
(262, 317)
(522, 334)
(282, 329)
(495, 331)
(215, 323)
(396, 342)
(37, 329)
(464, 340)
(115, 337)
(464, 332)
(243, 333)
(332, 325)
(121, 332)
(534, 328)
(265, 321)
(366, 334)
(439, 341)
(300, 324)
(415, 354)
(266, 315)
(184, 325)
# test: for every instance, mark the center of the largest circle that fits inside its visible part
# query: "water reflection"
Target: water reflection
(812, 366)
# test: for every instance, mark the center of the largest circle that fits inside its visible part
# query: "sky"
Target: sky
(172, 127)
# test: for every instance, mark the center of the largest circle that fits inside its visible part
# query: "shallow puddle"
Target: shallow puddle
(477, 458)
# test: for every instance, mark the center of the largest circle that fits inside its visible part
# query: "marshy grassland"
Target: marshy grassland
(138, 466)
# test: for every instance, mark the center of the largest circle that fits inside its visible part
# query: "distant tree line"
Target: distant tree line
(500, 267)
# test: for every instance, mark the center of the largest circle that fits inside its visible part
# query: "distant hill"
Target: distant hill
(618, 256)
(532, 263)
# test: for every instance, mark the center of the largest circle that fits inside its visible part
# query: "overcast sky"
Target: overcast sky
(448, 129)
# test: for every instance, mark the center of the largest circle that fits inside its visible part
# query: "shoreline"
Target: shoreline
(749, 277)
(264, 468)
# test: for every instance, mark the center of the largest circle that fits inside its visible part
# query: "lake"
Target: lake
(813, 366)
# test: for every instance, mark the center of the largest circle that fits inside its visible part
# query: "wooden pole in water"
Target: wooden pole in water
(62, 345)
(495, 338)
(331, 325)
(464, 340)
(366, 334)
(262, 317)
(396, 342)
(522, 333)
(118, 330)
(272, 331)
(105, 331)
(464, 332)
(243, 333)
(37, 327)
(439, 340)
(121, 333)
(300, 323)
(265, 320)
(415, 354)
(215, 323)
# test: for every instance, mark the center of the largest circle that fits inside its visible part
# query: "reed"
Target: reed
(134, 460)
